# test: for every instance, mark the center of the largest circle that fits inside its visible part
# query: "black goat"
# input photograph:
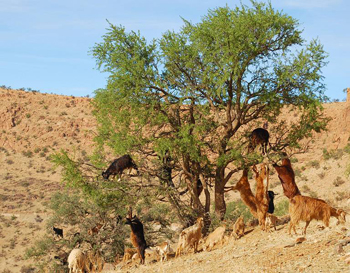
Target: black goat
(271, 196)
(137, 236)
(58, 231)
(119, 165)
(259, 136)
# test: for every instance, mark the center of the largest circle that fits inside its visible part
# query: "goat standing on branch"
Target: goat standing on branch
(259, 136)
(306, 208)
(119, 165)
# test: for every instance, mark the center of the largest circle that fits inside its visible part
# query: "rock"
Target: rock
(344, 242)
(338, 249)
(300, 240)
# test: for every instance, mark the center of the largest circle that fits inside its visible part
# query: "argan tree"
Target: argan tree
(194, 94)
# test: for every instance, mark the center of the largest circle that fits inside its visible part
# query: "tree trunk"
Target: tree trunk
(220, 205)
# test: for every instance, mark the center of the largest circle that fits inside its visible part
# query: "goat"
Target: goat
(214, 238)
(258, 136)
(246, 193)
(77, 261)
(137, 236)
(238, 228)
(271, 196)
(271, 220)
(163, 250)
(287, 178)
(306, 208)
(261, 197)
(129, 253)
(58, 231)
(190, 237)
(119, 165)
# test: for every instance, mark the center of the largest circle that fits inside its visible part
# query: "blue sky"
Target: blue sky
(45, 44)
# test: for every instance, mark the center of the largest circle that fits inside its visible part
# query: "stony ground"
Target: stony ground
(258, 251)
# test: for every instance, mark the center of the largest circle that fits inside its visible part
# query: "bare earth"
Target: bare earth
(35, 125)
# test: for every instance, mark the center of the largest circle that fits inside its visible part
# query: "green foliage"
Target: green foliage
(190, 92)
(282, 208)
(236, 209)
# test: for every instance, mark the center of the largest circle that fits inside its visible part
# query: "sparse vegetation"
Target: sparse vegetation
(338, 181)
(333, 154)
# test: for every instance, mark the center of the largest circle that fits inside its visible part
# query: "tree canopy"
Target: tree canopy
(196, 93)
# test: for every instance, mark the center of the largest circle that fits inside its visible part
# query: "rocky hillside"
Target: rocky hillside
(34, 125)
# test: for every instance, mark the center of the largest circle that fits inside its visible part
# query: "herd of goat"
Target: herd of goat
(261, 206)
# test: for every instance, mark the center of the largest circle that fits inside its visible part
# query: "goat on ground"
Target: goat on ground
(119, 165)
(306, 208)
(137, 236)
(287, 178)
(77, 261)
(190, 237)
(259, 136)
(58, 231)
(217, 236)
(163, 250)
(271, 196)
(271, 220)
(238, 228)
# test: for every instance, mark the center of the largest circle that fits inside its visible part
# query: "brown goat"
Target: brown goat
(217, 236)
(238, 228)
(306, 208)
(190, 237)
(246, 193)
(271, 220)
(287, 178)
(259, 136)
(261, 196)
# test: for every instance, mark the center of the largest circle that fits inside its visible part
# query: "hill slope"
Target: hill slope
(34, 125)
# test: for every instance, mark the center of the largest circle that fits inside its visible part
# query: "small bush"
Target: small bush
(338, 181)
(322, 175)
(9, 161)
(28, 154)
(314, 163)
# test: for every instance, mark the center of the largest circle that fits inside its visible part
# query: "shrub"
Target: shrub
(314, 163)
(282, 208)
(28, 154)
(338, 181)
(235, 209)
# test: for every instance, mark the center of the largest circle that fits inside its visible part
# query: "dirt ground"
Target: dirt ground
(35, 125)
